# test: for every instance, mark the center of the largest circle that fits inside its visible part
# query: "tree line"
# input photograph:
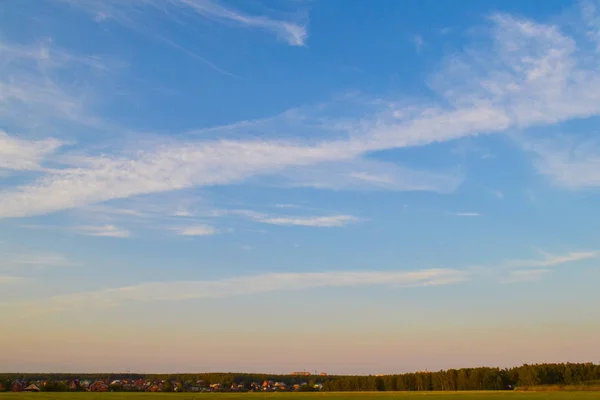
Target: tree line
(472, 378)
(483, 378)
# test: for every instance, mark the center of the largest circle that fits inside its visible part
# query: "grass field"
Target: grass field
(308, 396)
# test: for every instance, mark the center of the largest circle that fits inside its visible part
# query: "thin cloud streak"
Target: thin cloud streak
(249, 285)
(196, 230)
(467, 214)
(104, 231)
(125, 12)
(294, 34)
(5, 280)
(418, 42)
(319, 221)
(273, 282)
(526, 275)
(551, 260)
(36, 260)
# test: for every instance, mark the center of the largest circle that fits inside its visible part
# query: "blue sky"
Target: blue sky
(337, 186)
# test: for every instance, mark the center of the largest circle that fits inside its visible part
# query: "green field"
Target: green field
(308, 396)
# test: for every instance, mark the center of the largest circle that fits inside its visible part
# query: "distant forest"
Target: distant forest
(449, 380)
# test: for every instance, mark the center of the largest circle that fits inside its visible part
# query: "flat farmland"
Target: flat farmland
(558, 395)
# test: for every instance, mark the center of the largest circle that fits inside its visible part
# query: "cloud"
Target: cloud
(498, 194)
(9, 279)
(21, 154)
(589, 12)
(550, 260)
(166, 168)
(36, 86)
(104, 230)
(526, 275)
(326, 221)
(362, 174)
(196, 230)
(293, 33)
(565, 163)
(275, 282)
(533, 72)
(534, 75)
(250, 285)
(38, 260)
(467, 214)
(322, 222)
(183, 213)
(418, 42)
(521, 270)
(126, 12)
(286, 206)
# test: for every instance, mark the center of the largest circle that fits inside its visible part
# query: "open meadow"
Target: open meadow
(558, 395)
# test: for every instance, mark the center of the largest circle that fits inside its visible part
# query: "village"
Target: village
(143, 385)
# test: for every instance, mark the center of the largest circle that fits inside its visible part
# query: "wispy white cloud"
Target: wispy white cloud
(323, 222)
(498, 194)
(418, 42)
(167, 168)
(9, 279)
(591, 18)
(35, 259)
(127, 12)
(196, 230)
(526, 275)
(361, 174)
(286, 206)
(249, 285)
(104, 230)
(320, 221)
(293, 33)
(467, 214)
(551, 260)
(33, 90)
(520, 270)
(22, 154)
(183, 213)
(565, 162)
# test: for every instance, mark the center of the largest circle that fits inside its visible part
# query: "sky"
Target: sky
(270, 186)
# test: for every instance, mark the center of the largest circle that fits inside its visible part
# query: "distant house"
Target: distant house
(98, 386)
(154, 388)
(74, 384)
(32, 388)
(17, 386)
